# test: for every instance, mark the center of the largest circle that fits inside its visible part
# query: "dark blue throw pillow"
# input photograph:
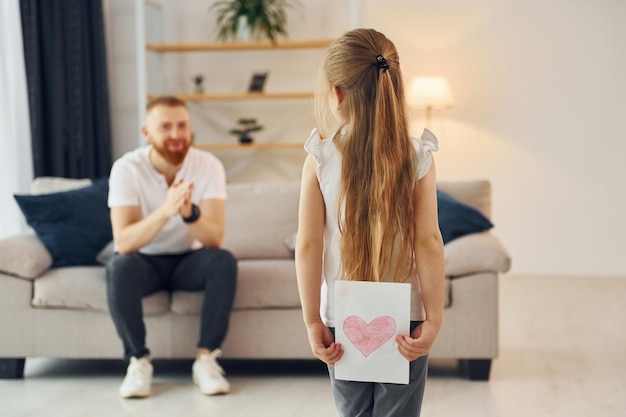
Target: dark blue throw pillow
(73, 225)
(457, 219)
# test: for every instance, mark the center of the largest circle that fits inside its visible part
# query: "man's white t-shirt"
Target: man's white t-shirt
(135, 182)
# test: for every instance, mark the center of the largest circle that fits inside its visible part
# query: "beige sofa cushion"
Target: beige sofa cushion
(476, 253)
(261, 284)
(259, 217)
(84, 288)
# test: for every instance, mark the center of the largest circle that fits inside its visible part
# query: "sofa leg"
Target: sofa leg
(12, 367)
(478, 369)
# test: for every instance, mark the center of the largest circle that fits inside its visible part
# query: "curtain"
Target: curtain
(16, 171)
(65, 56)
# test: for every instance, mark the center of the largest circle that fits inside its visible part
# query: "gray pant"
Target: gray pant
(371, 399)
(134, 276)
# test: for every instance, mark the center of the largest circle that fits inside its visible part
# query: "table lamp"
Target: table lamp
(428, 93)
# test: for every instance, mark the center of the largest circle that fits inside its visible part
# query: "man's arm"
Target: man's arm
(209, 228)
(131, 232)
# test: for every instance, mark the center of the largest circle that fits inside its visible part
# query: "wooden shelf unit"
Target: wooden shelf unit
(249, 146)
(238, 96)
(233, 47)
(238, 46)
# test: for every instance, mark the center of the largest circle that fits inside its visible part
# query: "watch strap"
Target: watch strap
(195, 214)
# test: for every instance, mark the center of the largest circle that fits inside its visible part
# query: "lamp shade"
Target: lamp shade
(429, 92)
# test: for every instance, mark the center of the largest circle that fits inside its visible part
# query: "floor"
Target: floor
(563, 353)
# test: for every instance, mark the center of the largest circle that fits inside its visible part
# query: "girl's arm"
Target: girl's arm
(430, 270)
(309, 250)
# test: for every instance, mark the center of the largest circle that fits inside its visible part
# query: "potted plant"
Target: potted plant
(247, 126)
(198, 79)
(259, 18)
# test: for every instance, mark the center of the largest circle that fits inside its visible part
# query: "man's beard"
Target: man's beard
(173, 157)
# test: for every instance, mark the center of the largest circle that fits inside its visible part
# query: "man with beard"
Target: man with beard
(167, 203)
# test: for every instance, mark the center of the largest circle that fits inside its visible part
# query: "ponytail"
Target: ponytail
(377, 200)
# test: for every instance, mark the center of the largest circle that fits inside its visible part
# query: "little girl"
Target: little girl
(368, 212)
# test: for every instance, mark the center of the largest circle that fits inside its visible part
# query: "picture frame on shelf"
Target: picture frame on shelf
(257, 83)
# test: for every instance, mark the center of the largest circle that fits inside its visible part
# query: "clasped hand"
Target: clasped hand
(178, 200)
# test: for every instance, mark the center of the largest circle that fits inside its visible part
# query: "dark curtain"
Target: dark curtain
(65, 55)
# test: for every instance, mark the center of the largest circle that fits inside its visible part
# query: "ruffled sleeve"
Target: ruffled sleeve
(312, 145)
(423, 146)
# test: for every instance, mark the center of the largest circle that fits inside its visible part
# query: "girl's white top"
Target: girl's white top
(328, 160)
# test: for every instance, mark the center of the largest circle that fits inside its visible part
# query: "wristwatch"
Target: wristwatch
(195, 214)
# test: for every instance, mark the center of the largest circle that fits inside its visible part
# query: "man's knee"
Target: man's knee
(227, 260)
(120, 267)
(222, 266)
(215, 258)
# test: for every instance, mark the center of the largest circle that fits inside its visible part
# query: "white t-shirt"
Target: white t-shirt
(135, 182)
(328, 160)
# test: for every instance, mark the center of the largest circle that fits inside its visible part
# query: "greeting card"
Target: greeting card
(368, 317)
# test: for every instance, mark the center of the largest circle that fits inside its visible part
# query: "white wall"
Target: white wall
(540, 107)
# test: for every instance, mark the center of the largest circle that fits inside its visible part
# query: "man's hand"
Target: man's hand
(185, 208)
(178, 200)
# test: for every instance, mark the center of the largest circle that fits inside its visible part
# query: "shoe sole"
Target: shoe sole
(218, 392)
(215, 392)
(135, 395)
(210, 392)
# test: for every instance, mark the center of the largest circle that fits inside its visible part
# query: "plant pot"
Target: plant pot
(244, 32)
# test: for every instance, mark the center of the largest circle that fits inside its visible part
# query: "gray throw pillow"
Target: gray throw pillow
(106, 253)
(290, 243)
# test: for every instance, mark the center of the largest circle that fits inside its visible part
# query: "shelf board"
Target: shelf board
(250, 146)
(238, 45)
(237, 96)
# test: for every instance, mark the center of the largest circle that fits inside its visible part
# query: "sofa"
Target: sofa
(47, 310)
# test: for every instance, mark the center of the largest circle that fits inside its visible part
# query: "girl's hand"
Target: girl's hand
(420, 341)
(323, 344)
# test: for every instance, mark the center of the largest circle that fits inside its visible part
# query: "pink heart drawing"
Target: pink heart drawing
(369, 337)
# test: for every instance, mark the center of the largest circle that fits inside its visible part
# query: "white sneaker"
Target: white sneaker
(138, 381)
(208, 375)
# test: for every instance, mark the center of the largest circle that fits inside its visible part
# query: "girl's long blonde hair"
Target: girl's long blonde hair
(377, 201)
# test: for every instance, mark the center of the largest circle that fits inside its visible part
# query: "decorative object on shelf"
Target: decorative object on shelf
(247, 126)
(246, 20)
(258, 82)
(429, 92)
(198, 79)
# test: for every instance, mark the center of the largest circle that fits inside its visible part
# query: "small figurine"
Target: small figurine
(198, 79)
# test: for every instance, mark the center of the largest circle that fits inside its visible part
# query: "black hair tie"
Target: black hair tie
(381, 63)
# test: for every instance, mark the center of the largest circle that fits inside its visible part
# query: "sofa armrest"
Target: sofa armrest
(475, 253)
(24, 256)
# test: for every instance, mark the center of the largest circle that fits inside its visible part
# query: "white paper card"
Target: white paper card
(368, 317)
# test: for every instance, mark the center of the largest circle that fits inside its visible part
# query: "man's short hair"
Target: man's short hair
(168, 101)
